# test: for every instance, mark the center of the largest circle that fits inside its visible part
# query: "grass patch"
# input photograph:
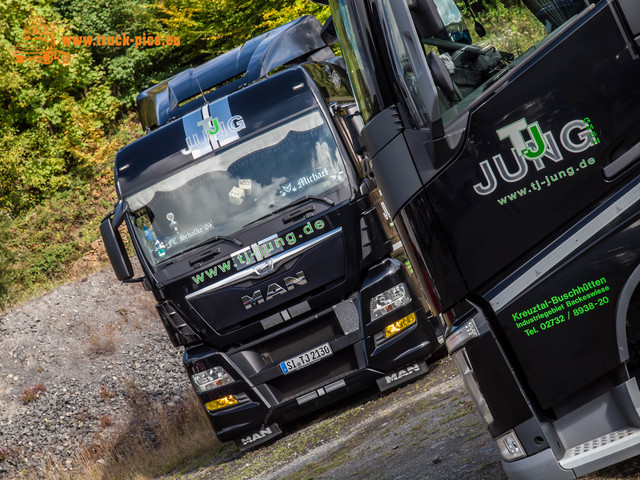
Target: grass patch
(157, 441)
(463, 408)
(43, 247)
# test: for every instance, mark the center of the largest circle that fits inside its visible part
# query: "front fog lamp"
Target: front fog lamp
(389, 300)
(510, 446)
(227, 401)
(209, 379)
(397, 327)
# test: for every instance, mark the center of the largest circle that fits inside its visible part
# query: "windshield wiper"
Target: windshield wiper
(300, 200)
(210, 253)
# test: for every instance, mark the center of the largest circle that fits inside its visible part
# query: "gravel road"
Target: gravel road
(82, 352)
(427, 429)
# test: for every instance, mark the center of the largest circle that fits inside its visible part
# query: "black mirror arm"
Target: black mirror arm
(134, 280)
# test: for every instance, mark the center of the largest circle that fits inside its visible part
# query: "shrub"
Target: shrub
(32, 393)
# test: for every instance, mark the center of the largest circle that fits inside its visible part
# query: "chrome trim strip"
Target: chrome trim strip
(567, 247)
(257, 270)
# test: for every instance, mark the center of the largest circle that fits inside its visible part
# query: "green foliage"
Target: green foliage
(53, 116)
(60, 125)
(208, 29)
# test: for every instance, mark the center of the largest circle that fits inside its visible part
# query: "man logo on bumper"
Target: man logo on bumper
(273, 289)
(258, 437)
(400, 376)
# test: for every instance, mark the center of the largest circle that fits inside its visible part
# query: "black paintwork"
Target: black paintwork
(502, 234)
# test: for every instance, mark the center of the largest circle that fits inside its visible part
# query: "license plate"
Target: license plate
(306, 358)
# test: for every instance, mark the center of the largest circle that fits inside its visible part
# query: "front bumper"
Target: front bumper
(267, 397)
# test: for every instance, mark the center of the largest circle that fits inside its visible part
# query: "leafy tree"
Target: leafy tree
(209, 29)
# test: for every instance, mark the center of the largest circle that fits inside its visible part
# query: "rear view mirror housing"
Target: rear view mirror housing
(114, 245)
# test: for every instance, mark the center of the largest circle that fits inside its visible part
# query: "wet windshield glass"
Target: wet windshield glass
(226, 191)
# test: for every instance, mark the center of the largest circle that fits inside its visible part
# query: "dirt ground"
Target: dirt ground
(427, 429)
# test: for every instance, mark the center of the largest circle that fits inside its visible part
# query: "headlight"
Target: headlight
(209, 379)
(389, 300)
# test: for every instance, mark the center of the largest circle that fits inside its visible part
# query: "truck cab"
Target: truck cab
(513, 178)
(263, 237)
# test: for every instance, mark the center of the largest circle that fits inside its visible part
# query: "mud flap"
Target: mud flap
(402, 375)
(258, 437)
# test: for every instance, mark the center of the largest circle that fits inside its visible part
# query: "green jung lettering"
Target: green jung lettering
(216, 127)
(540, 146)
(224, 266)
(198, 278)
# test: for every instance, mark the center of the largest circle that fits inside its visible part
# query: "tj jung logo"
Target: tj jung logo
(212, 135)
(575, 137)
(38, 44)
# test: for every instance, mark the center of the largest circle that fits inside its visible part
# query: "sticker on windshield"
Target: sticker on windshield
(304, 181)
(195, 232)
(172, 223)
(211, 127)
(156, 246)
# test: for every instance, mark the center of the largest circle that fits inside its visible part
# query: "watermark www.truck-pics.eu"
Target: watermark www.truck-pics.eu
(39, 43)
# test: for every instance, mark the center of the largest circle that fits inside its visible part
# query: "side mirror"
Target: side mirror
(113, 244)
(328, 32)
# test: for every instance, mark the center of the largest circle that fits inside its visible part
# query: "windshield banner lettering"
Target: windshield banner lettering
(210, 128)
(259, 251)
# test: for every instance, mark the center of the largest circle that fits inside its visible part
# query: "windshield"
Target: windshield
(476, 60)
(473, 60)
(228, 190)
(359, 65)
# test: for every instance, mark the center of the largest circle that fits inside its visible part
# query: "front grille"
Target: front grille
(322, 329)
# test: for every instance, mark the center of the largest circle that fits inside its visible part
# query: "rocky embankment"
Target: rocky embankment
(75, 364)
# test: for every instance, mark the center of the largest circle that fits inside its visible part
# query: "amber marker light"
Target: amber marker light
(397, 327)
(221, 403)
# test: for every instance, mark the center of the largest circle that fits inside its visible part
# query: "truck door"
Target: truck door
(543, 147)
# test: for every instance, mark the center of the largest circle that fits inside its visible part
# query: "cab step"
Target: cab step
(607, 449)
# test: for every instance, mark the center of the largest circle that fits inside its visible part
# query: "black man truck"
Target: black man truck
(515, 186)
(263, 239)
